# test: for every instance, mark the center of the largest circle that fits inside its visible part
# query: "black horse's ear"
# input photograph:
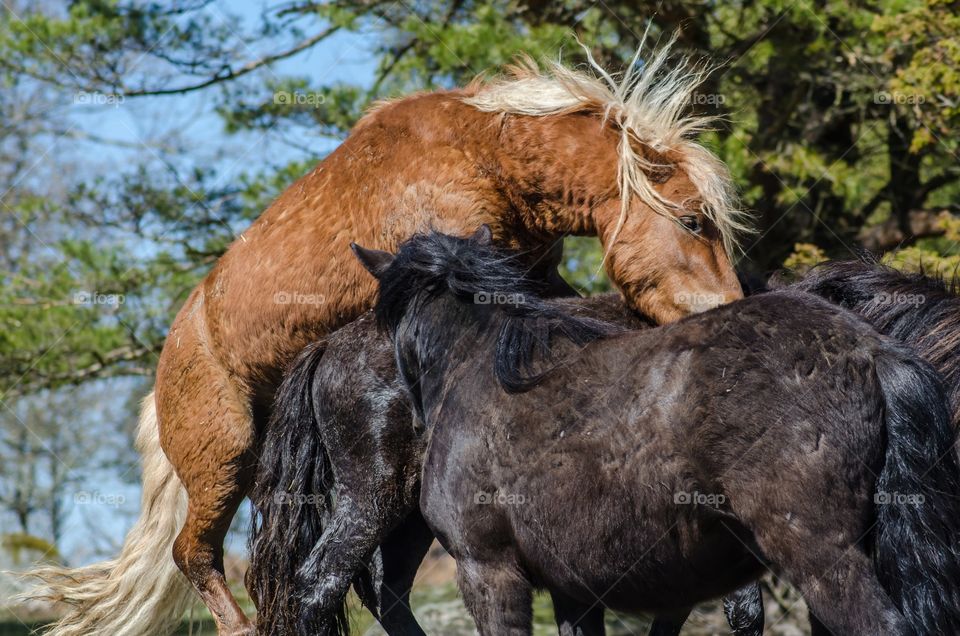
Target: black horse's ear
(483, 235)
(374, 261)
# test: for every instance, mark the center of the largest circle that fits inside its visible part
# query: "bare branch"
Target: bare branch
(231, 74)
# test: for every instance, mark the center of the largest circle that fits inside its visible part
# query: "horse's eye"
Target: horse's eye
(692, 223)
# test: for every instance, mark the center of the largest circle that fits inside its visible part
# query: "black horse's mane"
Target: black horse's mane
(430, 265)
(917, 308)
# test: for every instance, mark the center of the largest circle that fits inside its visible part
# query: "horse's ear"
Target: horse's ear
(657, 166)
(483, 235)
(374, 261)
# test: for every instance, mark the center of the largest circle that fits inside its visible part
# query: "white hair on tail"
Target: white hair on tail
(141, 592)
(649, 103)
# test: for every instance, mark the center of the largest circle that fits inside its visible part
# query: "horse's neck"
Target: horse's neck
(556, 170)
(431, 339)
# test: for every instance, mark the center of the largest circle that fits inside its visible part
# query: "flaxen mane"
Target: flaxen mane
(648, 104)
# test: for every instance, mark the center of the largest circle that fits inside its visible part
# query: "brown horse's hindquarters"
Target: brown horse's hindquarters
(207, 432)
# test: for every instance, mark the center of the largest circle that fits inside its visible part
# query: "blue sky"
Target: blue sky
(344, 57)
(109, 504)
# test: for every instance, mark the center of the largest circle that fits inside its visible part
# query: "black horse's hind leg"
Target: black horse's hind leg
(498, 596)
(669, 624)
(324, 578)
(575, 618)
(344, 554)
(842, 589)
(387, 593)
(744, 610)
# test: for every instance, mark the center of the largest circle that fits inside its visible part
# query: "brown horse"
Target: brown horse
(538, 154)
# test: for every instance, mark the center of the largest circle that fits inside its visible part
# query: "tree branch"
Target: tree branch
(231, 74)
(105, 368)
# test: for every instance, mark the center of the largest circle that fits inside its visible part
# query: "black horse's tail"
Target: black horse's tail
(291, 496)
(917, 539)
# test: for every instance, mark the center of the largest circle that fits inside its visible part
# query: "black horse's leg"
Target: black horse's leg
(744, 610)
(387, 593)
(324, 578)
(669, 624)
(817, 628)
(498, 596)
(842, 589)
(575, 618)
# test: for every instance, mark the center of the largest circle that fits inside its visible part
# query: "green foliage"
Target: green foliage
(583, 265)
(838, 119)
(805, 256)
(924, 43)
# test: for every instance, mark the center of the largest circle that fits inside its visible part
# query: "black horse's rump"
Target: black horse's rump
(290, 497)
(352, 413)
(800, 387)
(919, 310)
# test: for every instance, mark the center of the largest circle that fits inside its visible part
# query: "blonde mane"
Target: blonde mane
(649, 103)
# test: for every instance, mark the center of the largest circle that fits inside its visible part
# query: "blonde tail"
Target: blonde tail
(141, 592)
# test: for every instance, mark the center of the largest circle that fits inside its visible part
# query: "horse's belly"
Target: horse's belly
(647, 566)
(711, 570)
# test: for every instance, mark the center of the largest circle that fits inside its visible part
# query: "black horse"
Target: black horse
(790, 418)
(342, 424)
(298, 443)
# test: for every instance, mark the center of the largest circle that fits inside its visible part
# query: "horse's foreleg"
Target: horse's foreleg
(575, 618)
(744, 610)
(498, 596)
